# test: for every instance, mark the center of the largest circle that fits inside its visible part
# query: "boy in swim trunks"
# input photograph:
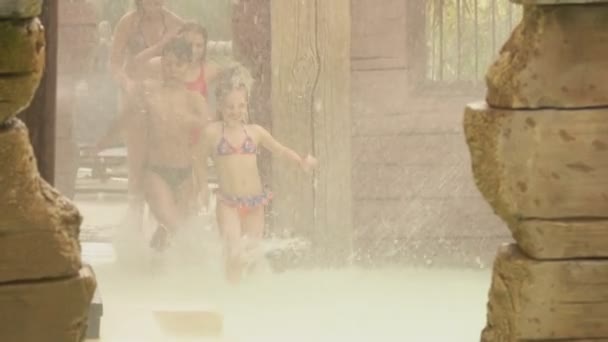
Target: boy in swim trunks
(170, 114)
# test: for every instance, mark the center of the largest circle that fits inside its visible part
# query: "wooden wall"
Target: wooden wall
(414, 196)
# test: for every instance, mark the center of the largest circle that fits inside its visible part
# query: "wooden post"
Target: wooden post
(39, 117)
(311, 113)
(416, 36)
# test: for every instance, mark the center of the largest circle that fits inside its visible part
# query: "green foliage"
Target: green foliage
(461, 47)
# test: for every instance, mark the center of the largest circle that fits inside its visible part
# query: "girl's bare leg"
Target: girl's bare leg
(230, 228)
(253, 228)
(163, 206)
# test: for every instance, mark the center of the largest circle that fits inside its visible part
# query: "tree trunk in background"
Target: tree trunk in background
(39, 117)
(251, 41)
(311, 113)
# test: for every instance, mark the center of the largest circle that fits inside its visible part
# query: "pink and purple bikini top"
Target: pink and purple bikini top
(224, 148)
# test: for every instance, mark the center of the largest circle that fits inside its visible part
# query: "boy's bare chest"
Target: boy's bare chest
(169, 107)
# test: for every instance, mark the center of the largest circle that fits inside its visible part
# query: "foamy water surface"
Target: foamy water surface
(354, 304)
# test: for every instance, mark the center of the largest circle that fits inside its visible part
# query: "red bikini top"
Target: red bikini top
(199, 85)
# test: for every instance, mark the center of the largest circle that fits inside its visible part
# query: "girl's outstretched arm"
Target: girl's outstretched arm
(276, 148)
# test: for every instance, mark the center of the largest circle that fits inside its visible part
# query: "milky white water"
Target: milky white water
(388, 304)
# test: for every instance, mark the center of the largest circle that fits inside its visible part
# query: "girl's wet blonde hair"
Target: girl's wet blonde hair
(233, 78)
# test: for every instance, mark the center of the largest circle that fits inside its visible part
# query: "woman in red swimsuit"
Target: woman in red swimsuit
(234, 144)
(201, 71)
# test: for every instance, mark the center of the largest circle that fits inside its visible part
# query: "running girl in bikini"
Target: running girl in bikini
(234, 147)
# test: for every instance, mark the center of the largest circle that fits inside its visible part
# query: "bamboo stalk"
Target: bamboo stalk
(476, 20)
(441, 38)
(459, 39)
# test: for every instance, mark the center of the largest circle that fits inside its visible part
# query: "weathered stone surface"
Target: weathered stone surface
(556, 57)
(22, 44)
(31, 253)
(546, 239)
(16, 93)
(544, 172)
(21, 65)
(39, 227)
(546, 300)
(46, 310)
(20, 8)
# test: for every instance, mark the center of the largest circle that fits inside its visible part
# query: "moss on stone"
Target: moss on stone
(16, 9)
(16, 93)
(22, 45)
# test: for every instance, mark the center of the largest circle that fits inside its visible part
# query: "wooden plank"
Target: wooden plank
(378, 32)
(413, 181)
(379, 92)
(427, 218)
(469, 252)
(408, 123)
(311, 112)
(332, 123)
(415, 149)
(377, 63)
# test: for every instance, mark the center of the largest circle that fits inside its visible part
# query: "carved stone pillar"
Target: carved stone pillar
(45, 291)
(539, 149)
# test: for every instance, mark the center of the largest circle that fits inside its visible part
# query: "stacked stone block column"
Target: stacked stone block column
(539, 150)
(45, 291)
